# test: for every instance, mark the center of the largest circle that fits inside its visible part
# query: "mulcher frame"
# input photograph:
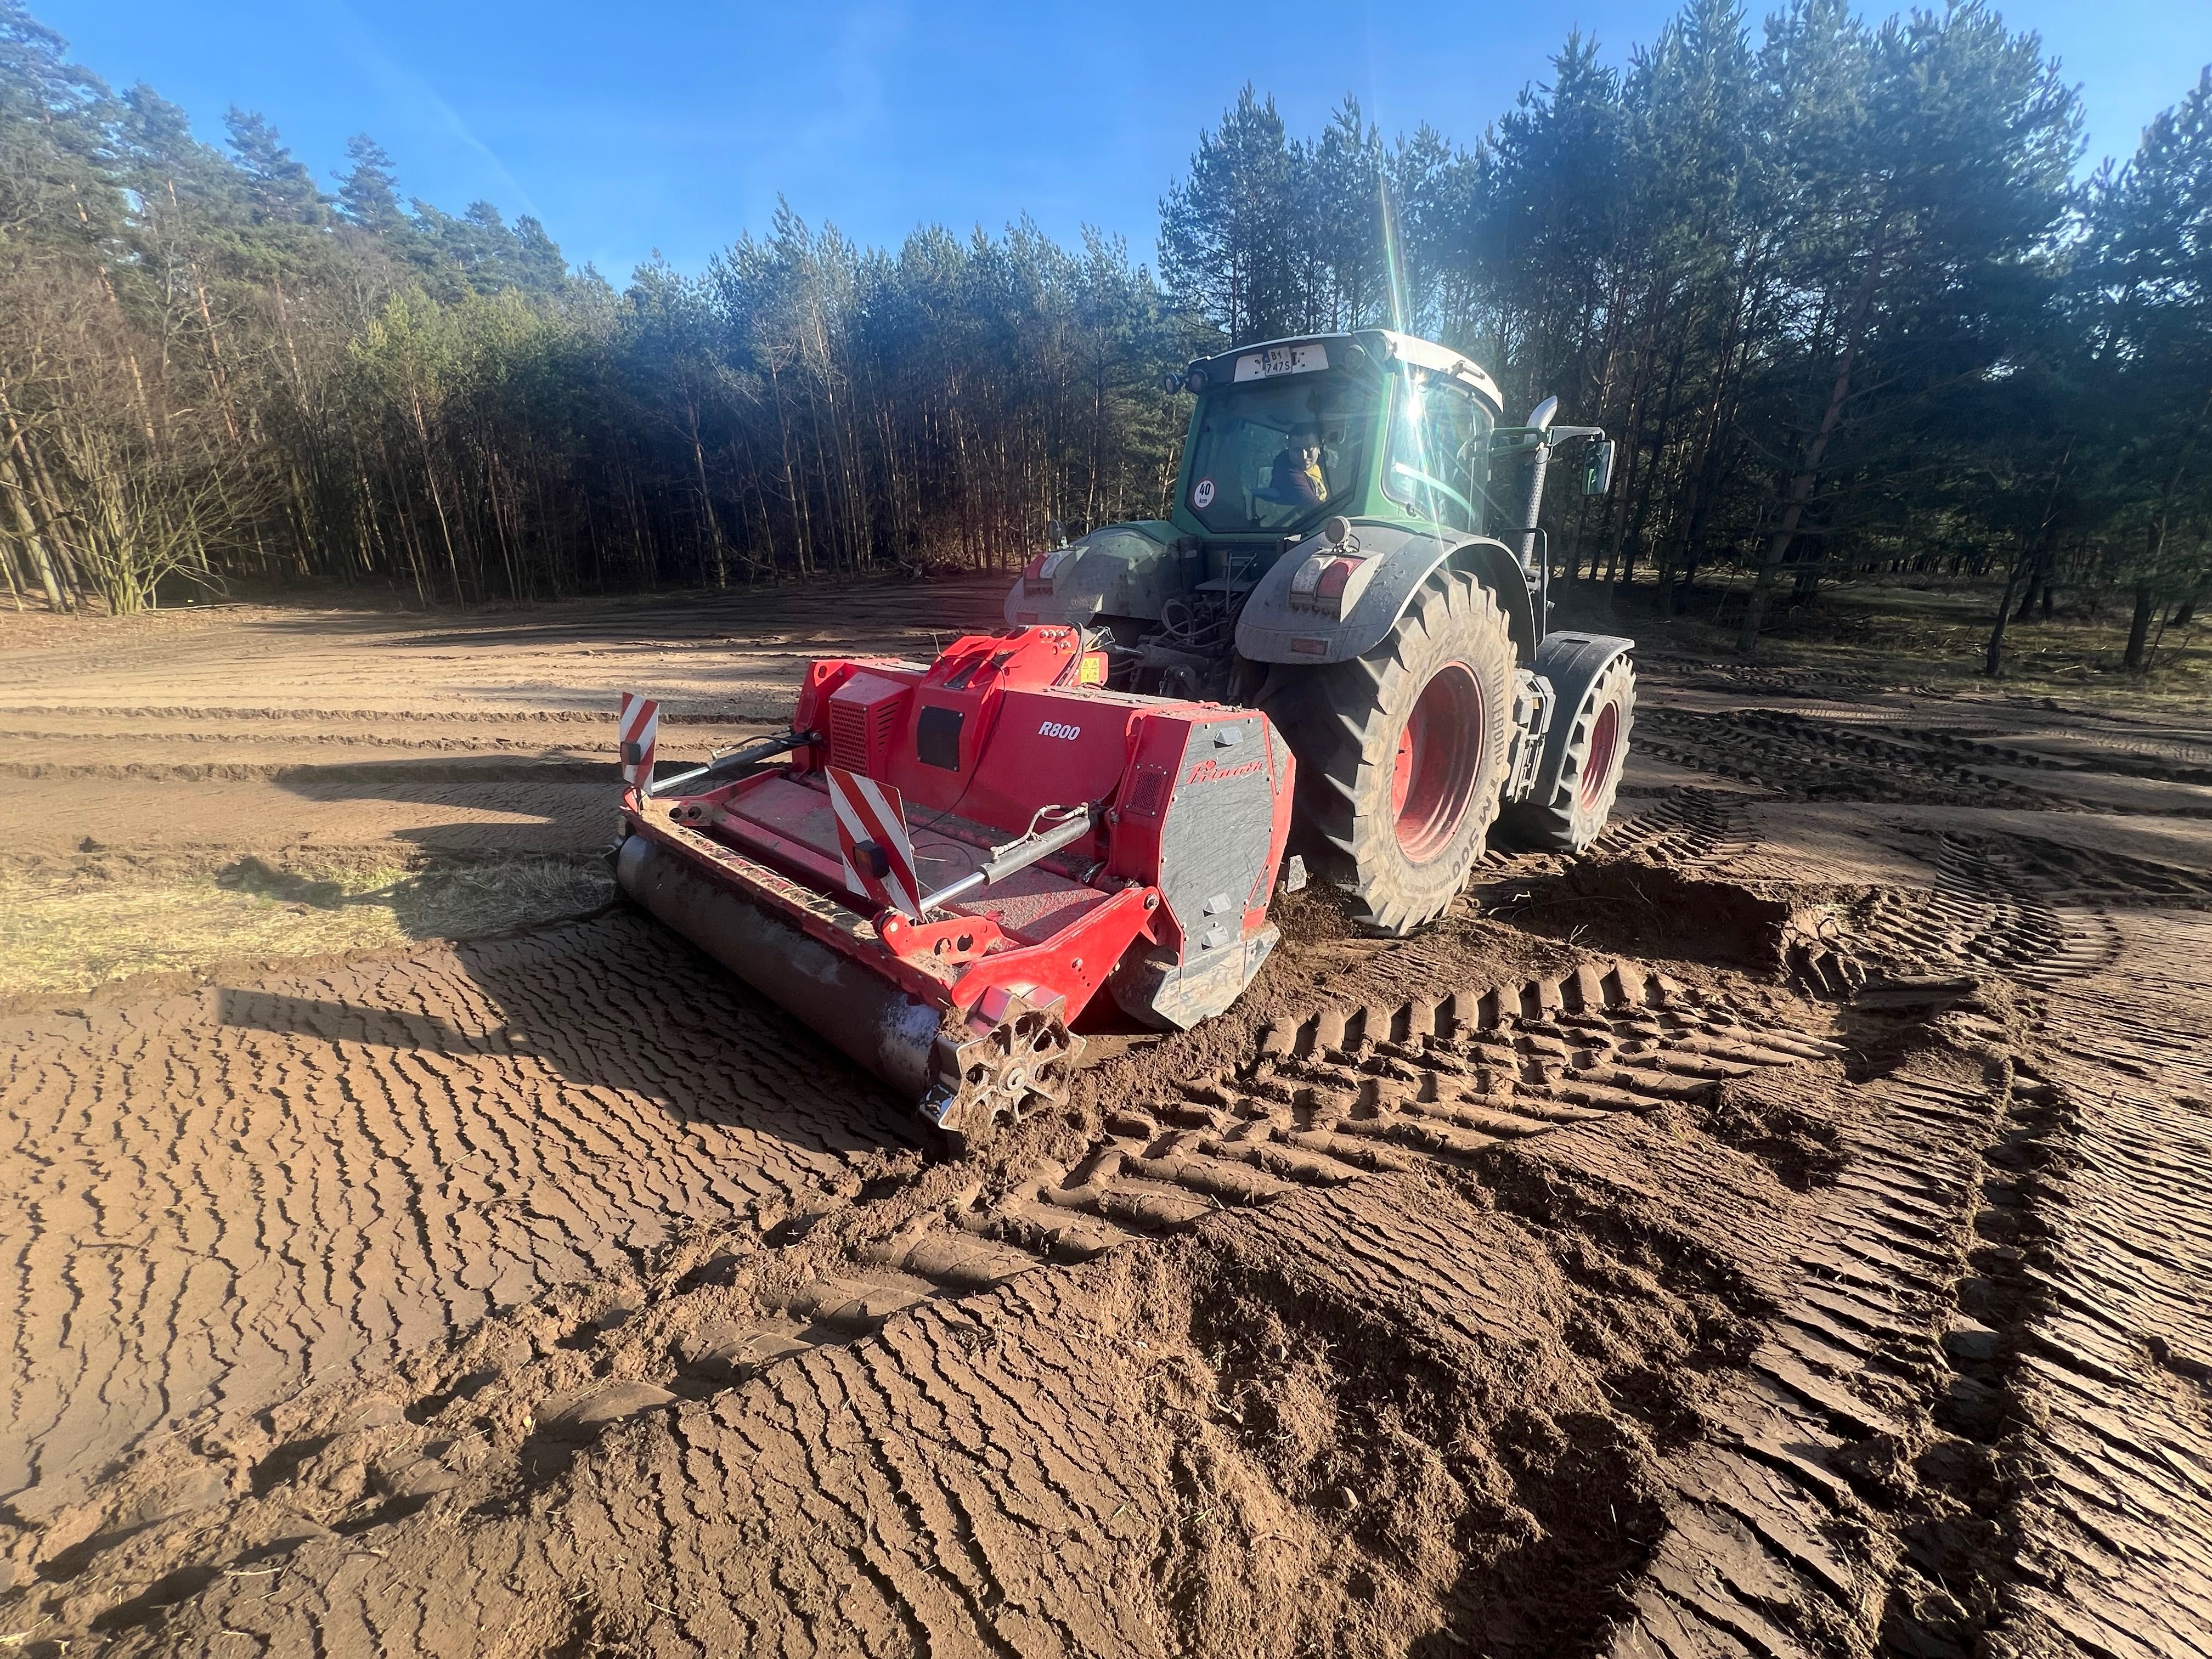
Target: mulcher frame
(1001, 735)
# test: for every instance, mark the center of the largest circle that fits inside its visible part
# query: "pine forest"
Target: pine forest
(1843, 289)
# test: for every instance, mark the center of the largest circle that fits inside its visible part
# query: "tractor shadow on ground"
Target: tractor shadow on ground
(471, 805)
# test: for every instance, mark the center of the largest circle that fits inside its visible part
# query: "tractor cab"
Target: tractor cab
(1385, 438)
(1383, 435)
(1372, 425)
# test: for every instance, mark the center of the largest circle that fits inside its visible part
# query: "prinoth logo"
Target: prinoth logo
(1207, 771)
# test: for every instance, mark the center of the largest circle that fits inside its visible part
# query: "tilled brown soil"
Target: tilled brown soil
(219, 1197)
(1781, 1233)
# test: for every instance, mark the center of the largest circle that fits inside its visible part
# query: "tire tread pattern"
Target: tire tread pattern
(1342, 722)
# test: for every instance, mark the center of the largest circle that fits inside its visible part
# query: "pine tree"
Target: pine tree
(53, 138)
(368, 191)
(538, 265)
(2147, 280)
(1931, 160)
(1341, 203)
(1549, 217)
(37, 79)
(278, 188)
(1227, 232)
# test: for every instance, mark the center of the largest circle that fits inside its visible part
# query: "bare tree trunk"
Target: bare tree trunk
(2139, 629)
(1993, 663)
(437, 496)
(2160, 525)
(26, 531)
(214, 350)
(20, 486)
(1799, 490)
(2036, 565)
(58, 537)
(499, 525)
(706, 501)
(115, 304)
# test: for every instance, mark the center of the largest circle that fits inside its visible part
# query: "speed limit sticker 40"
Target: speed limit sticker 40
(1201, 493)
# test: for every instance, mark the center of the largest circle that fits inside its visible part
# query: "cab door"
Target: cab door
(1438, 466)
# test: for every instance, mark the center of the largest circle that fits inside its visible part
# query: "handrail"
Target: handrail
(1474, 516)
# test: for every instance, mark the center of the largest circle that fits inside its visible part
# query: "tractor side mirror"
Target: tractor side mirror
(1597, 472)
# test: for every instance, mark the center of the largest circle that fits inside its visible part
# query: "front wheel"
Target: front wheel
(1595, 752)
(1402, 752)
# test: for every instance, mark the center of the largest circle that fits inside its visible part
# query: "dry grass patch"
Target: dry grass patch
(77, 926)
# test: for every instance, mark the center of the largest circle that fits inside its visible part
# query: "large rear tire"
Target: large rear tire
(1402, 752)
(1589, 770)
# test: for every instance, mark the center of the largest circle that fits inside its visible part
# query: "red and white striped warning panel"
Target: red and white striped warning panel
(640, 726)
(872, 835)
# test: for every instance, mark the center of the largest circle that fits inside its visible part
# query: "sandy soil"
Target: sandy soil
(209, 786)
(1783, 1232)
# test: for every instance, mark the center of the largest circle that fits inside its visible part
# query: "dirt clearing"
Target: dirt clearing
(1782, 1233)
(216, 785)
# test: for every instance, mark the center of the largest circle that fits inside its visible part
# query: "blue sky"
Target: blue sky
(674, 124)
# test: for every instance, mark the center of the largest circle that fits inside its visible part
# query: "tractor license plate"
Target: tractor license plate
(1281, 360)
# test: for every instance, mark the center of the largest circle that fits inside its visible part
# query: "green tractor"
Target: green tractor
(1353, 550)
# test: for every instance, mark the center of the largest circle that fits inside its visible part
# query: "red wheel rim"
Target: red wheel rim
(1439, 753)
(1597, 766)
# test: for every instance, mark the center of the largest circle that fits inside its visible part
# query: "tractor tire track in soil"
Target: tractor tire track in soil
(1791, 1529)
(1687, 827)
(1982, 915)
(1344, 1091)
(1795, 756)
(2093, 1253)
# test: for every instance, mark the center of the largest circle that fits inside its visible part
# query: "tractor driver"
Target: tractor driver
(1298, 480)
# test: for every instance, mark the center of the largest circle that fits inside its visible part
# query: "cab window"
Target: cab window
(1255, 437)
(1439, 464)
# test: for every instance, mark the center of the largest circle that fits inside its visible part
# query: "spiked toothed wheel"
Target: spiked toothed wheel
(1402, 752)
(992, 1073)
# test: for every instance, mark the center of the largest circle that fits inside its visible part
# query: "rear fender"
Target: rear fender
(1120, 570)
(1571, 662)
(1399, 560)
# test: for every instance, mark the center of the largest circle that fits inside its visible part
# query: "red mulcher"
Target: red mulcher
(939, 866)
